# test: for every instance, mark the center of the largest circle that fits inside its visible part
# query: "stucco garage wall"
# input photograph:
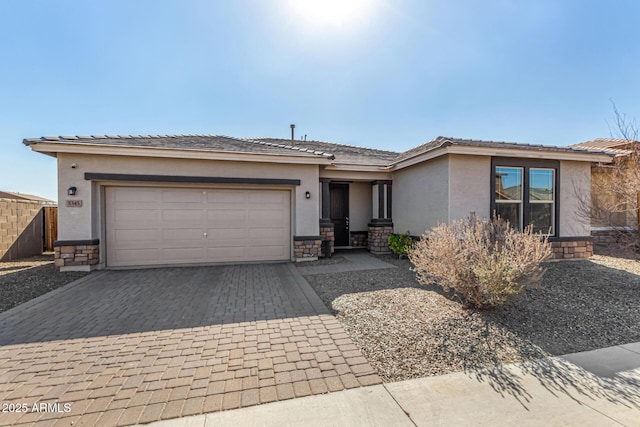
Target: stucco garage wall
(469, 186)
(85, 222)
(575, 180)
(420, 196)
(359, 206)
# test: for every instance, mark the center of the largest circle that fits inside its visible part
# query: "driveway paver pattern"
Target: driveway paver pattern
(136, 346)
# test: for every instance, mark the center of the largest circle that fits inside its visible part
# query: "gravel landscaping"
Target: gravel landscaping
(407, 330)
(23, 280)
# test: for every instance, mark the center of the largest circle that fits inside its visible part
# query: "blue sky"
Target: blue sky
(392, 74)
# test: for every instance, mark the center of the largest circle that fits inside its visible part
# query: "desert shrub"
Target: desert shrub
(400, 243)
(486, 262)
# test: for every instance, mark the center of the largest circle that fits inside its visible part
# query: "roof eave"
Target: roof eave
(503, 152)
(358, 167)
(52, 148)
(531, 154)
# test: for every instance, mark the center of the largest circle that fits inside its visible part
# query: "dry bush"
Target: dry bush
(613, 203)
(486, 262)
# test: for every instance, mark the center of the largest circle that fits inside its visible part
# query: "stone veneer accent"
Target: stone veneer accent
(359, 239)
(327, 234)
(75, 253)
(573, 249)
(378, 235)
(306, 247)
(613, 236)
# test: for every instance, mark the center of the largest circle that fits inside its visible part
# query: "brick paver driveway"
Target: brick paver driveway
(125, 347)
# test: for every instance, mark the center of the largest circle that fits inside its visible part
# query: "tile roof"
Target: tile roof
(345, 154)
(339, 153)
(615, 146)
(443, 141)
(187, 142)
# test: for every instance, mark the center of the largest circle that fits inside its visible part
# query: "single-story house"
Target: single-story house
(613, 207)
(187, 199)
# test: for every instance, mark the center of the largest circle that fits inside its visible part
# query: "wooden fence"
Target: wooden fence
(50, 227)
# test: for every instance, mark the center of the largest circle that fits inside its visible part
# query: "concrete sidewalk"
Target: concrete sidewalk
(595, 388)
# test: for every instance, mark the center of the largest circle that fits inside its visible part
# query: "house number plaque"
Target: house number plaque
(74, 203)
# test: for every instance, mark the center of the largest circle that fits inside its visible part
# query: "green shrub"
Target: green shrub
(400, 244)
(486, 262)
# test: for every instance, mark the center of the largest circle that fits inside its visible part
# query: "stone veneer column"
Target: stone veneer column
(306, 248)
(76, 254)
(381, 225)
(580, 247)
(378, 237)
(327, 234)
(326, 226)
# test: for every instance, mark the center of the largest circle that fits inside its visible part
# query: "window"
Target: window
(508, 195)
(542, 200)
(524, 192)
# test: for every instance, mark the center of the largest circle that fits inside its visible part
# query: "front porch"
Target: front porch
(355, 214)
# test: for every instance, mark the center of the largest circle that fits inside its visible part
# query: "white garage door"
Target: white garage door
(155, 226)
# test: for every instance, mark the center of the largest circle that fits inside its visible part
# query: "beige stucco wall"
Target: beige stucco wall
(340, 175)
(359, 206)
(469, 186)
(85, 222)
(575, 179)
(421, 196)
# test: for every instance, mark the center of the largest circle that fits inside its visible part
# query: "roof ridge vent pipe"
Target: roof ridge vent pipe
(292, 130)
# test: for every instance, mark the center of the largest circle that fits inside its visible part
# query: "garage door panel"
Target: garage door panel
(180, 235)
(187, 215)
(226, 234)
(141, 196)
(184, 254)
(227, 253)
(155, 226)
(267, 217)
(267, 197)
(226, 217)
(137, 235)
(136, 216)
(267, 233)
(182, 196)
(135, 256)
(258, 252)
(226, 197)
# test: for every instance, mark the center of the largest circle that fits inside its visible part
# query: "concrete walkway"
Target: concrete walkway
(356, 260)
(595, 388)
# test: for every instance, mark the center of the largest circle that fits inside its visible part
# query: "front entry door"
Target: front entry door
(339, 195)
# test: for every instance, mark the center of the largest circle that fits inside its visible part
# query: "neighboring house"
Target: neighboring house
(617, 216)
(190, 199)
(22, 225)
